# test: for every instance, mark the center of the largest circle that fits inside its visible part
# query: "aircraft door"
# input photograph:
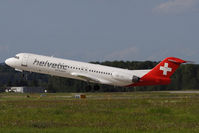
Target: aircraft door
(24, 60)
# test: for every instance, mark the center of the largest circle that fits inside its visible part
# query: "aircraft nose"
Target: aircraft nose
(9, 61)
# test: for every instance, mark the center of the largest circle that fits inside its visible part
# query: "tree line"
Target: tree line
(185, 78)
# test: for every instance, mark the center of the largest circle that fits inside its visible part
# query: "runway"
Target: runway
(181, 92)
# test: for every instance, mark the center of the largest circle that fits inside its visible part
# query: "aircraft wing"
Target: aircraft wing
(86, 77)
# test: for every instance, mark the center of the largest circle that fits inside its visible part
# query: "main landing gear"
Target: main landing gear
(90, 88)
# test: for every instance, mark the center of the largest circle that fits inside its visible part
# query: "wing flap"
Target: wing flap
(86, 77)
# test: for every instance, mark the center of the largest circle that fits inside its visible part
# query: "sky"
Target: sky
(101, 30)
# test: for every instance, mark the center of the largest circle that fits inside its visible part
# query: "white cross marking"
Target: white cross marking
(165, 68)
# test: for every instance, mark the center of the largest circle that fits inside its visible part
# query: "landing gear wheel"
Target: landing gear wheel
(88, 88)
(96, 87)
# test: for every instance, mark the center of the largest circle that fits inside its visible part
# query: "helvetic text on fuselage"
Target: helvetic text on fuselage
(48, 64)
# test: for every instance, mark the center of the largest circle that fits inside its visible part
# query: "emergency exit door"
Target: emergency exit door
(24, 60)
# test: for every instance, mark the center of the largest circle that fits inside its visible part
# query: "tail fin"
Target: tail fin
(166, 67)
(160, 74)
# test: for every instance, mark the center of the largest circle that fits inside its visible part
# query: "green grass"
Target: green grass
(141, 112)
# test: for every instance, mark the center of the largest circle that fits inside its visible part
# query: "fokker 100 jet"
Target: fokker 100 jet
(159, 75)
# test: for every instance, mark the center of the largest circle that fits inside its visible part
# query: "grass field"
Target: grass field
(140, 112)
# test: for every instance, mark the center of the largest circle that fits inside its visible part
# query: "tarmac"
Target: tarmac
(182, 92)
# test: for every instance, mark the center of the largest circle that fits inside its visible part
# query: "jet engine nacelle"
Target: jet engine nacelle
(135, 79)
(123, 77)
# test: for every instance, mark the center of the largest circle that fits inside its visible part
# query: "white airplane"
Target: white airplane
(159, 75)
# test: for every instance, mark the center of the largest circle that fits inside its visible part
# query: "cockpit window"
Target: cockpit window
(17, 57)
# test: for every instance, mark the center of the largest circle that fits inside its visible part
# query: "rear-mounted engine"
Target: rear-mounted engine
(135, 79)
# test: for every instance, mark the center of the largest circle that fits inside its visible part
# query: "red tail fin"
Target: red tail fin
(166, 67)
(160, 74)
